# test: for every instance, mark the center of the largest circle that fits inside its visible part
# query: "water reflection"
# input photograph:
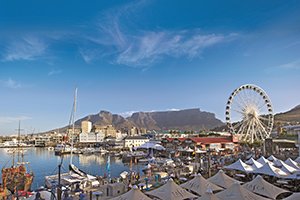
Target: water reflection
(44, 162)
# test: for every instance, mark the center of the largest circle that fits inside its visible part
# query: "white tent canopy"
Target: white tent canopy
(285, 167)
(151, 145)
(171, 191)
(200, 151)
(294, 196)
(133, 194)
(294, 176)
(270, 170)
(208, 195)
(237, 192)
(240, 166)
(262, 160)
(272, 158)
(292, 163)
(262, 187)
(254, 164)
(199, 185)
(189, 149)
(297, 160)
(222, 180)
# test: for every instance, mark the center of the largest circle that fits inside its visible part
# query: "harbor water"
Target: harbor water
(43, 162)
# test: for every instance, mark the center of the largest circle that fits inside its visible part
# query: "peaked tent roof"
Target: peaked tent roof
(272, 158)
(262, 187)
(294, 176)
(239, 165)
(270, 170)
(208, 195)
(237, 192)
(292, 163)
(262, 160)
(133, 194)
(222, 180)
(151, 145)
(199, 185)
(294, 196)
(285, 167)
(254, 164)
(297, 160)
(171, 191)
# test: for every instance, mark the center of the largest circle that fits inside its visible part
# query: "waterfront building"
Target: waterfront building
(107, 130)
(134, 131)
(91, 137)
(42, 140)
(135, 141)
(86, 126)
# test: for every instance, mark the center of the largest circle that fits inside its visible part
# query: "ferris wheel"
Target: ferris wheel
(249, 113)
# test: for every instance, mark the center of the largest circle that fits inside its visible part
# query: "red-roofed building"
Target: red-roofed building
(201, 142)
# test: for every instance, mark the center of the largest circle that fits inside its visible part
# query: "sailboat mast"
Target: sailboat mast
(73, 124)
(19, 138)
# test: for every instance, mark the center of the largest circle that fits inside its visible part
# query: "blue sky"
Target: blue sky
(141, 56)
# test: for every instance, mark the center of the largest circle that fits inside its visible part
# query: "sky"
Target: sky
(150, 55)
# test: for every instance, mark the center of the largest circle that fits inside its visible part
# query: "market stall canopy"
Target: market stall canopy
(294, 196)
(171, 191)
(133, 194)
(270, 170)
(240, 166)
(297, 160)
(264, 188)
(208, 195)
(151, 145)
(189, 149)
(237, 192)
(199, 185)
(294, 176)
(292, 163)
(254, 164)
(200, 151)
(222, 180)
(262, 160)
(285, 167)
(272, 158)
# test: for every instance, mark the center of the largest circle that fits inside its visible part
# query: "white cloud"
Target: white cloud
(134, 47)
(10, 83)
(27, 48)
(291, 65)
(54, 72)
(127, 113)
(7, 120)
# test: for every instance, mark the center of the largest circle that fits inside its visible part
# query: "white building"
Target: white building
(135, 141)
(91, 137)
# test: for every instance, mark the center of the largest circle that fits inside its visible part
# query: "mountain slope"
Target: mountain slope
(292, 115)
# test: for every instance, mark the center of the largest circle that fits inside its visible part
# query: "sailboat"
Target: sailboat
(75, 175)
(16, 179)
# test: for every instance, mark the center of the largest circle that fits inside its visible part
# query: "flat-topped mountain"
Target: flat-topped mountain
(189, 119)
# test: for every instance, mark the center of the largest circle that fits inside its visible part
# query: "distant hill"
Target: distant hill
(292, 115)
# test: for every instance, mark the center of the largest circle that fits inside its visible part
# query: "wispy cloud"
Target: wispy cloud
(291, 65)
(134, 47)
(7, 120)
(26, 48)
(54, 72)
(10, 83)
